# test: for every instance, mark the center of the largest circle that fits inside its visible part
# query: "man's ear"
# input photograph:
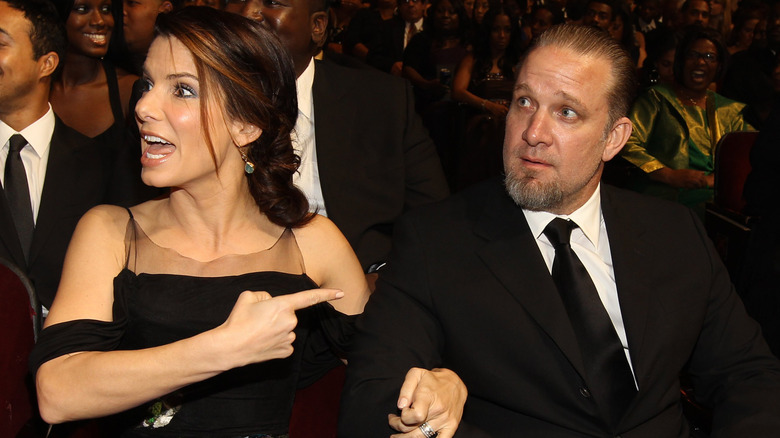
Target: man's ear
(245, 133)
(319, 28)
(47, 64)
(165, 7)
(617, 138)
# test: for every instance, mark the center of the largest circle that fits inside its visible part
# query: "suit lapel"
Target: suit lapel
(333, 128)
(514, 258)
(626, 241)
(60, 169)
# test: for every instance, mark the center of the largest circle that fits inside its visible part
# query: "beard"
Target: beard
(533, 194)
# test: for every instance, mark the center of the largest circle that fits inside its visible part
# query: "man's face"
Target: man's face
(698, 13)
(299, 28)
(139, 18)
(19, 70)
(411, 10)
(598, 14)
(557, 137)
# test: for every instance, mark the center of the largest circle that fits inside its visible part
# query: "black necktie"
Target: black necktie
(18, 193)
(608, 373)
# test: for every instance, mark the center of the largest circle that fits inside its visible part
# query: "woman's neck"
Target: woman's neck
(80, 69)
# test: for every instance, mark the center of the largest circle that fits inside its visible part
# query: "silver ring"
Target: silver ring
(427, 430)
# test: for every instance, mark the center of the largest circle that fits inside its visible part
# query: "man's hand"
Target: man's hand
(436, 397)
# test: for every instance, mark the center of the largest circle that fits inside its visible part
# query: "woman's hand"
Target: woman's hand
(683, 178)
(495, 109)
(260, 327)
(435, 397)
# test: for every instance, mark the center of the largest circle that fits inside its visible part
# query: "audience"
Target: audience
(139, 17)
(694, 13)
(484, 284)
(677, 126)
(53, 174)
(394, 35)
(87, 79)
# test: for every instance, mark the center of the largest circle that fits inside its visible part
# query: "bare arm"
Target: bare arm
(91, 384)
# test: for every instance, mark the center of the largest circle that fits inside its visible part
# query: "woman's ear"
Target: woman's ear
(245, 133)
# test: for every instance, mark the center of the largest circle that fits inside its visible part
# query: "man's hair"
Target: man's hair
(593, 42)
(47, 32)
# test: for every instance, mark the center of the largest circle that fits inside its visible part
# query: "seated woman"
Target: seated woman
(677, 126)
(87, 80)
(191, 315)
(484, 81)
(433, 54)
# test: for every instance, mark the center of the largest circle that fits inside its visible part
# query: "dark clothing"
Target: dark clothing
(467, 288)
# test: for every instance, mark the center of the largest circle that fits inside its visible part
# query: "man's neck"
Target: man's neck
(25, 114)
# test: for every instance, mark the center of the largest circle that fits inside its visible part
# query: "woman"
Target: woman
(746, 20)
(86, 79)
(484, 81)
(432, 55)
(676, 126)
(179, 313)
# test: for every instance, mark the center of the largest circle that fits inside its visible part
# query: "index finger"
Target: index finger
(308, 298)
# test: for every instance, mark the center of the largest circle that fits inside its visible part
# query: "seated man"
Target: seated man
(556, 337)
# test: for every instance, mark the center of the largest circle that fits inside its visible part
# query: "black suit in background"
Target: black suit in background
(77, 178)
(467, 289)
(374, 156)
(389, 46)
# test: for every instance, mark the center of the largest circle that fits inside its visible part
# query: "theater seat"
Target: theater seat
(316, 408)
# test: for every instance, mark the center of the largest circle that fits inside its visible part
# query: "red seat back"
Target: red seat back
(732, 166)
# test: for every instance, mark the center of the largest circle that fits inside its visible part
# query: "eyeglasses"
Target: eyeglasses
(709, 57)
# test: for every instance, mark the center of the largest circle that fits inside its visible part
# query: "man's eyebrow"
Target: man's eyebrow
(5, 32)
(570, 98)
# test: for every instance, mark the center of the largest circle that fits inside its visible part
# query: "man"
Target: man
(484, 284)
(599, 13)
(138, 29)
(395, 34)
(58, 174)
(695, 13)
(365, 155)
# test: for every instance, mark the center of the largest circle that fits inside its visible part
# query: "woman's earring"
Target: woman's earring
(249, 166)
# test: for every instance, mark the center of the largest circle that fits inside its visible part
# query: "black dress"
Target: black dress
(163, 297)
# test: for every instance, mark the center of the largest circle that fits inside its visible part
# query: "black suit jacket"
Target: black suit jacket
(374, 156)
(389, 47)
(76, 180)
(468, 289)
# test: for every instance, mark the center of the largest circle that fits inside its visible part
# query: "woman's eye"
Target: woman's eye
(184, 91)
(146, 85)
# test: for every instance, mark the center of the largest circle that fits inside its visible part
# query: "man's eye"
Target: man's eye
(524, 101)
(568, 113)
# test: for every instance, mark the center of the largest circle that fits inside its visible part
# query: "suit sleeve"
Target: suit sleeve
(424, 178)
(397, 331)
(732, 369)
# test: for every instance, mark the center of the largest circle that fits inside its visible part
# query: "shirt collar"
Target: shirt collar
(38, 134)
(304, 90)
(588, 218)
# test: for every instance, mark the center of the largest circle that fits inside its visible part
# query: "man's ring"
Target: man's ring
(427, 430)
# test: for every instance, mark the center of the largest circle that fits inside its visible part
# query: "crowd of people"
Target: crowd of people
(212, 201)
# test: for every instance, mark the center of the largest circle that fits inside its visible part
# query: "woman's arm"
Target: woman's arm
(461, 93)
(331, 263)
(93, 384)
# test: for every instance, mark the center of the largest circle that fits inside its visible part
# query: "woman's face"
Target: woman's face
(500, 33)
(445, 18)
(665, 67)
(616, 30)
(701, 65)
(480, 9)
(173, 144)
(89, 27)
(541, 21)
(746, 32)
(468, 5)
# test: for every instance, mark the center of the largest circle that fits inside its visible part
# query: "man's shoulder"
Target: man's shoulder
(468, 205)
(356, 78)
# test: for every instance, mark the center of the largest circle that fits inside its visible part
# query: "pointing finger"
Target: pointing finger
(308, 298)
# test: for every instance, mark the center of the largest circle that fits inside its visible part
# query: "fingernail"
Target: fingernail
(402, 402)
(339, 294)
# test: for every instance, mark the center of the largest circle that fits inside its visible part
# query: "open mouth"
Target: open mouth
(156, 150)
(97, 38)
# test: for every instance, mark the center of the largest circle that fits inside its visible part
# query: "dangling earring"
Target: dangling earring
(249, 166)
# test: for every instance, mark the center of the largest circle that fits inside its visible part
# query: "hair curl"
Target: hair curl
(252, 74)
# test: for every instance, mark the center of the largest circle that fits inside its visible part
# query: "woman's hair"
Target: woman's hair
(483, 61)
(247, 70)
(460, 11)
(691, 35)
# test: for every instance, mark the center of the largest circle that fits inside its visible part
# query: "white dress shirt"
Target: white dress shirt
(417, 28)
(591, 244)
(307, 178)
(35, 155)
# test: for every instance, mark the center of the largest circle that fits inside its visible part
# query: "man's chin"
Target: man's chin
(533, 194)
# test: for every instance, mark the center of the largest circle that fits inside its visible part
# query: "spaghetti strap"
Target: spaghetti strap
(114, 98)
(130, 240)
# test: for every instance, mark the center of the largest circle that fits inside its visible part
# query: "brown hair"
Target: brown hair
(249, 69)
(594, 42)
